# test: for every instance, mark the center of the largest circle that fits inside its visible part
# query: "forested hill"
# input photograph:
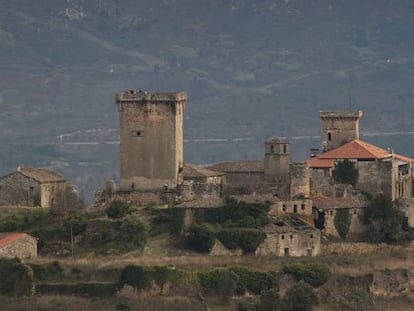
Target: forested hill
(253, 70)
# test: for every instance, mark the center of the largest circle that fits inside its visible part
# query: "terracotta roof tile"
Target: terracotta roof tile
(355, 149)
(10, 238)
(238, 166)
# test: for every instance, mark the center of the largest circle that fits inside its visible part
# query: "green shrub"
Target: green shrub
(117, 209)
(314, 274)
(247, 239)
(43, 272)
(135, 276)
(77, 223)
(385, 223)
(300, 297)
(269, 301)
(8, 226)
(342, 222)
(345, 172)
(81, 289)
(133, 232)
(201, 237)
(16, 278)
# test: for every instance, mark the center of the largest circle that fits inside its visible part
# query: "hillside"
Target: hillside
(253, 70)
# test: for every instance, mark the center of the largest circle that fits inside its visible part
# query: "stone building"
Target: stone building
(290, 236)
(29, 186)
(20, 245)
(276, 174)
(326, 208)
(379, 170)
(151, 135)
(200, 182)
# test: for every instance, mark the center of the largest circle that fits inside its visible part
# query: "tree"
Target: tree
(201, 237)
(300, 297)
(117, 209)
(385, 223)
(345, 172)
(342, 221)
(16, 278)
(270, 301)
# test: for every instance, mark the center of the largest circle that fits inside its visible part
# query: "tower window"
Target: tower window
(272, 149)
(138, 133)
(284, 149)
(329, 136)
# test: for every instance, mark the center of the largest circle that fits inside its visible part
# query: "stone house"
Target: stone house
(290, 236)
(200, 182)
(20, 245)
(326, 208)
(30, 186)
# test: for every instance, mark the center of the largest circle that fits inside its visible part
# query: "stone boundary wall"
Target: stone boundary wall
(356, 248)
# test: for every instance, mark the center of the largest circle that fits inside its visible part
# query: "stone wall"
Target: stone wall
(220, 250)
(356, 227)
(299, 180)
(25, 247)
(378, 177)
(194, 190)
(407, 206)
(346, 249)
(293, 206)
(146, 198)
(17, 189)
(321, 182)
(50, 192)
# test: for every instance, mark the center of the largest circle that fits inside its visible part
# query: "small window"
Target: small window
(284, 207)
(295, 208)
(311, 236)
(355, 211)
(272, 149)
(303, 207)
(291, 236)
(329, 136)
(138, 133)
(282, 237)
(284, 148)
(331, 212)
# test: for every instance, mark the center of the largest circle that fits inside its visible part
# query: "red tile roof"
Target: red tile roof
(10, 238)
(238, 167)
(355, 149)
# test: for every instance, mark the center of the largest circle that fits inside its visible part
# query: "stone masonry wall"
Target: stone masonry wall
(378, 176)
(23, 248)
(17, 189)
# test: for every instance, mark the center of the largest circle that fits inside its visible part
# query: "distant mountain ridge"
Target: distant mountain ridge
(253, 70)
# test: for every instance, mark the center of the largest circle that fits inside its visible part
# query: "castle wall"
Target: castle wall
(151, 148)
(378, 177)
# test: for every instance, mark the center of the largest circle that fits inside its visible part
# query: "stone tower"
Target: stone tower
(151, 132)
(276, 162)
(339, 127)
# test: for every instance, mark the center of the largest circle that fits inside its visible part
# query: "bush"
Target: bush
(201, 238)
(43, 272)
(117, 209)
(77, 223)
(269, 300)
(345, 172)
(247, 239)
(385, 223)
(8, 226)
(81, 289)
(16, 278)
(133, 232)
(300, 297)
(314, 274)
(342, 222)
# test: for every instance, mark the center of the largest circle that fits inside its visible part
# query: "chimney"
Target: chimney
(20, 167)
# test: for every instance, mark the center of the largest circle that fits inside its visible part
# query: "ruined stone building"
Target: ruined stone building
(29, 186)
(20, 245)
(290, 237)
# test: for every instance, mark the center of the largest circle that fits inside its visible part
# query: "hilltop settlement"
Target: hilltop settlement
(346, 198)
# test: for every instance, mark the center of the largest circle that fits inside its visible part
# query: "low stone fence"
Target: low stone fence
(356, 248)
